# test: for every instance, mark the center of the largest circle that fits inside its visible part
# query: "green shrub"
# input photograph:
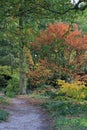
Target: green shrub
(70, 123)
(5, 75)
(62, 108)
(3, 115)
(68, 115)
(12, 88)
(5, 70)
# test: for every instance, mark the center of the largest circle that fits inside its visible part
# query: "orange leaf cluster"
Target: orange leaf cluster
(53, 31)
(77, 40)
(62, 31)
(64, 45)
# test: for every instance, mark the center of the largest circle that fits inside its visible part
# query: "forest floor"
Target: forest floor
(25, 114)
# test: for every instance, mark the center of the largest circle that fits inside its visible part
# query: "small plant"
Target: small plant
(4, 100)
(3, 115)
(12, 88)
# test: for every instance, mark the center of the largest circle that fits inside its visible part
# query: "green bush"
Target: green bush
(3, 115)
(5, 70)
(5, 75)
(68, 115)
(70, 123)
(63, 108)
(12, 88)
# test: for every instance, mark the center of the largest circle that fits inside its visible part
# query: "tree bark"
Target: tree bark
(22, 75)
(22, 81)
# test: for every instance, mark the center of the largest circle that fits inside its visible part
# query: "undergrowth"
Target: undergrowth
(3, 115)
(68, 115)
(66, 104)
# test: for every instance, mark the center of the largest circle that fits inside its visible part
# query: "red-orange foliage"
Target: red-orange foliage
(62, 31)
(77, 40)
(70, 44)
(53, 31)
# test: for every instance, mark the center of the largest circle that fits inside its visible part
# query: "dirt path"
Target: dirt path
(24, 116)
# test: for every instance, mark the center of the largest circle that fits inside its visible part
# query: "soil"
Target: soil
(25, 116)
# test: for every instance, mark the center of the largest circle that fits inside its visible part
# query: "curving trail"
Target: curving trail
(24, 116)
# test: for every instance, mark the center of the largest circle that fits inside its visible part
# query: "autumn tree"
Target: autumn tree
(19, 16)
(62, 45)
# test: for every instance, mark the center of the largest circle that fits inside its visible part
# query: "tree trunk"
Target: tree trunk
(22, 84)
(22, 75)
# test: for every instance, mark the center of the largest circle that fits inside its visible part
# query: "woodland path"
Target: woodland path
(25, 116)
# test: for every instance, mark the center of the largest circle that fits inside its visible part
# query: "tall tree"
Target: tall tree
(17, 16)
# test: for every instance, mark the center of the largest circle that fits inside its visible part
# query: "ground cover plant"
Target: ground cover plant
(3, 113)
(68, 115)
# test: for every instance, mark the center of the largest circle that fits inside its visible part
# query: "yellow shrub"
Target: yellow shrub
(74, 90)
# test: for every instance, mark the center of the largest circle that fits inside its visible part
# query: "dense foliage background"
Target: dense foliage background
(43, 49)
